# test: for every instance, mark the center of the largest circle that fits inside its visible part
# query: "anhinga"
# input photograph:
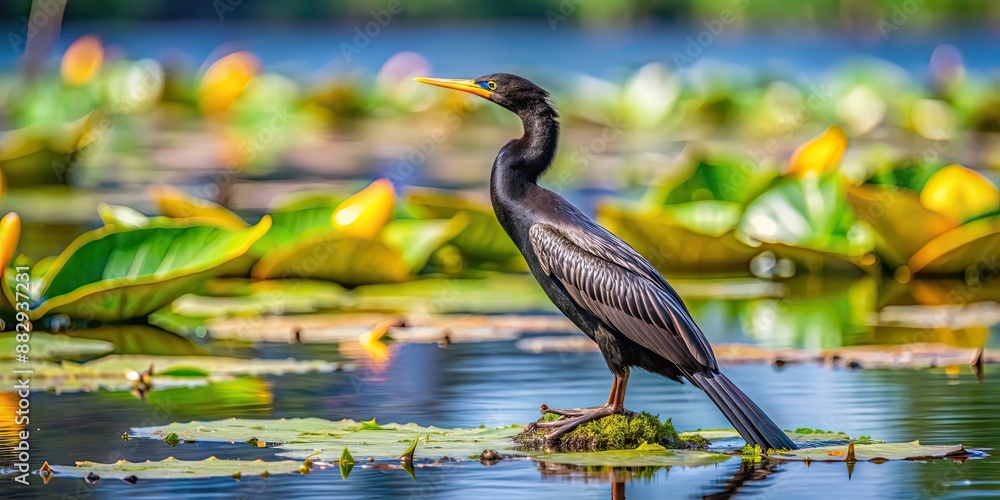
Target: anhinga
(597, 280)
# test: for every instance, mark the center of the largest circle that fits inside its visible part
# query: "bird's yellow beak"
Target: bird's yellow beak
(463, 85)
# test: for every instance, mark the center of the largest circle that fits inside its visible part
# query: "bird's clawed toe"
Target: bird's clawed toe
(572, 418)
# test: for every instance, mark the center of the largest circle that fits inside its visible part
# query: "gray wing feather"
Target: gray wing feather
(605, 276)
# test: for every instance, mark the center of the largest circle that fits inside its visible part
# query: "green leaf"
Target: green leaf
(495, 293)
(346, 457)
(300, 437)
(113, 274)
(482, 239)
(407, 455)
(808, 213)
(674, 240)
(724, 180)
(868, 452)
(171, 468)
(119, 215)
(49, 346)
(417, 239)
(335, 256)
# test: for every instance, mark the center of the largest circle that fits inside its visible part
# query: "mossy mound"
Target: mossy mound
(614, 432)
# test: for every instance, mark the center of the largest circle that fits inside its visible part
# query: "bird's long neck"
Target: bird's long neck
(522, 161)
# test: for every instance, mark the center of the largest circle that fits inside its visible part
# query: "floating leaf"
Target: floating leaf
(821, 154)
(901, 223)
(118, 215)
(171, 468)
(338, 257)
(482, 239)
(868, 452)
(808, 214)
(960, 193)
(366, 212)
(419, 238)
(179, 205)
(407, 455)
(719, 179)
(966, 246)
(112, 273)
(674, 243)
(49, 346)
(301, 437)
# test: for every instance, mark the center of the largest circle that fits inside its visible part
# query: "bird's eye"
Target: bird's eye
(492, 85)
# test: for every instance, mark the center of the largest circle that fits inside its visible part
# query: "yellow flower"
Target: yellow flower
(226, 79)
(10, 232)
(366, 212)
(960, 192)
(821, 154)
(82, 60)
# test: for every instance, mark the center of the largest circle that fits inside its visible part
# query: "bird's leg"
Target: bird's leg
(572, 418)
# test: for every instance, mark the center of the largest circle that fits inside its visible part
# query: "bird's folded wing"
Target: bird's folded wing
(605, 276)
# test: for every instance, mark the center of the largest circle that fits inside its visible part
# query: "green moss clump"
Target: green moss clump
(694, 442)
(614, 432)
(751, 453)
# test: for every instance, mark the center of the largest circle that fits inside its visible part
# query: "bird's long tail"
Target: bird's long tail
(750, 421)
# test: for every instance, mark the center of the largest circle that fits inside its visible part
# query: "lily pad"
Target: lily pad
(171, 468)
(177, 204)
(902, 225)
(335, 256)
(113, 274)
(482, 239)
(966, 246)
(808, 218)
(671, 240)
(49, 346)
(300, 437)
(870, 452)
(116, 371)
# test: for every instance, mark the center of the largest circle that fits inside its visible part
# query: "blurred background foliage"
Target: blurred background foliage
(804, 14)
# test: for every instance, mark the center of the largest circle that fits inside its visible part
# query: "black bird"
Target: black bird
(597, 280)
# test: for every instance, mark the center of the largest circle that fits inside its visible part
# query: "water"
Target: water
(496, 384)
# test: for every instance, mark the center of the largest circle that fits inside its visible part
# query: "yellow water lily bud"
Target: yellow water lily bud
(82, 60)
(180, 205)
(821, 154)
(226, 79)
(960, 192)
(367, 211)
(10, 233)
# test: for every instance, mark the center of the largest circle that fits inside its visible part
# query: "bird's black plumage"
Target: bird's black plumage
(597, 280)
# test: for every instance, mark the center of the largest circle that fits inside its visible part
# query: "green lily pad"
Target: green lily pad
(300, 437)
(49, 346)
(495, 293)
(335, 256)
(119, 371)
(800, 436)
(171, 468)
(721, 180)
(419, 238)
(482, 239)
(113, 274)
(870, 452)
(138, 339)
(674, 240)
(807, 217)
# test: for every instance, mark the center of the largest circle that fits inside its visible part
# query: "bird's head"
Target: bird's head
(510, 91)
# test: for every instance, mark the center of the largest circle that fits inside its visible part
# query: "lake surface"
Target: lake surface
(495, 383)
